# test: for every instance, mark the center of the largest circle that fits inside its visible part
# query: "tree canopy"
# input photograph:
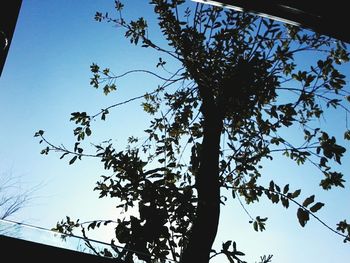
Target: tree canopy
(242, 82)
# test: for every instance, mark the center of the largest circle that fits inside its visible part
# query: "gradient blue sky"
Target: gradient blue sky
(46, 77)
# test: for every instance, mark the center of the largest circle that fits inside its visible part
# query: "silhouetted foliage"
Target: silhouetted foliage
(240, 83)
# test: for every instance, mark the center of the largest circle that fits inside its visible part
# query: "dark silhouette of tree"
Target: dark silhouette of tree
(240, 83)
(12, 197)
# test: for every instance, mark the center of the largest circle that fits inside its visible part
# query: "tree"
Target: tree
(12, 198)
(215, 119)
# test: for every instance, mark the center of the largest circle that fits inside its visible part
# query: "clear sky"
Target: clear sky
(46, 77)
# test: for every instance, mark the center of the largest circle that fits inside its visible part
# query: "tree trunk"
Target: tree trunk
(205, 225)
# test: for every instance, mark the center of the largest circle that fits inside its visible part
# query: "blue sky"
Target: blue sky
(46, 77)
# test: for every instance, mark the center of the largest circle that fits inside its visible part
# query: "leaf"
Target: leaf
(278, 189)
(303, 216)
(92, 225)
(172, 165)
(255, 225)
(226, 245)
(285, 202)
(296, 193)
(107, 222)
(233, 194)
(309, 200)
(88, 131)
(234, 245)
(275, 198)
(63, 155)
(73, 160)
(118, 5)
(45, 151)
(316, 207)
(332, 179)
(239, 253)
(39, 133)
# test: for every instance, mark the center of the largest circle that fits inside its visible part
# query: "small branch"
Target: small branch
(145, 71)
(245, 209)
(64, 150)
(122, 23)
(317, 95)
(167, 83)
(121, 103)
(295, 202)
